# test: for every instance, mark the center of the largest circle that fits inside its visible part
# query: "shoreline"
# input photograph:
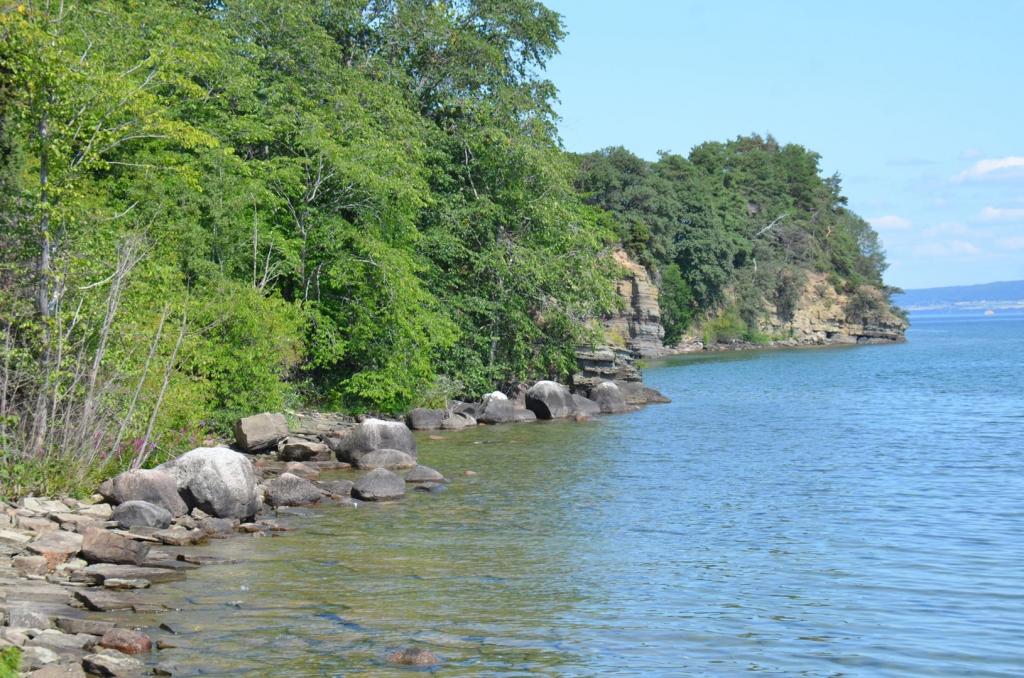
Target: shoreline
(70, 563)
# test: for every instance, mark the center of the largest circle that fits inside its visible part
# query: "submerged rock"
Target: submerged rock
(413, 656)
(379, 485)
(136, 513)
(549, 400)
(152, 485)
(424, 474)
(217, 480)
(389, 459)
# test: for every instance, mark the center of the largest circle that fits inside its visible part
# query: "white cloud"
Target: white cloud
(984, 168)
(1001, 213)
(891, 222)
(952, 248)
(1015, 243)
(947, 228)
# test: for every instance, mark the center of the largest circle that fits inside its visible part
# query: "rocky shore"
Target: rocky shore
(64, 562)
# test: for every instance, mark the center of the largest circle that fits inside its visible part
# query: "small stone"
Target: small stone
(469, 473)
(430, 487)
(31, 566)
(102, 546)
(56, 547)
(36, 524)
(23, 615)
(424, 474)
(116, 584)
(302, 470)
(14, 537)
(63, 670)
(61, 642)
(138, 513)
(177, 536)
(126, 641)
(43, 506)
(413, 656)
(100, 511)
(93, 627)
(113, 664)
(74, 522)
(216, 527)
(36, 657)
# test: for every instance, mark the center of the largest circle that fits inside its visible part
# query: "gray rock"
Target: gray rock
(60, 670)
(522, 416)
(389, 459)
(93, 627)
(423, 419)
(99, 573)
(495, 410)
(113, 664)
(376, 434)
(379, 485)
(216, 526)
(291, 490)
(297, 468)
(152, 485)
(609, 397)
(458, 421)
(36, 657)
(101, 546)
(297, 449)
(260, 431)
(57, 546)
(341, 488)
(24, 615)
(28, 566)
(430, 487)
(585, 406)
(424, 474)
(62, 642)
(105, 601)
(549, 400)
(137, 513)
(216, 480)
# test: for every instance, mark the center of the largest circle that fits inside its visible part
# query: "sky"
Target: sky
(919, 106)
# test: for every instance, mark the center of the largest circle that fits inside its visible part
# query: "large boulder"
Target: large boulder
(424, 474)
(389, 459)
(152, 485)
(137, 513)
(376, 434)
(423, 419)
(101, 546)
(379, 485)
(549, 400)
(260, 431)
(291, 490)
(585, 406)
(217, 480)
(609, 397)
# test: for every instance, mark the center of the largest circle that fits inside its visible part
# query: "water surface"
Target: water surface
(853, 511)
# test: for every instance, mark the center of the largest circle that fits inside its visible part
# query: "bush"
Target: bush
(727, 328)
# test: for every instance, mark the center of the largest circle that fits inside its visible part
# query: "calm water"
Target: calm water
(855, 512)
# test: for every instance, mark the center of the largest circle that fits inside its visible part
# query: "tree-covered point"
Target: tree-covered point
(740, 218)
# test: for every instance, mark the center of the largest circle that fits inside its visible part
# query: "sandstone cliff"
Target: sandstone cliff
(637, 326)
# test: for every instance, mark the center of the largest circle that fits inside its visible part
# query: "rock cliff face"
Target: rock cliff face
(638, 326)
(824, 316)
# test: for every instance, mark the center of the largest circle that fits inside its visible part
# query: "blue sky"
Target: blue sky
(918, 105)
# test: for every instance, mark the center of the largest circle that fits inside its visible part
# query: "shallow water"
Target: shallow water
(854, 511)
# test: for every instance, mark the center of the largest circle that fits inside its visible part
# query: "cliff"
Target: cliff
(637, 326)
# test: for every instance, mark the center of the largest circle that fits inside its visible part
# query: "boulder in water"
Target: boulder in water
(609, 397)
(549, 400)
(291, 490)
(423, 419)
(376, 434)
(389, 459)
(379, 485)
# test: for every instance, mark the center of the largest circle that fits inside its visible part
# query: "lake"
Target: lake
(849, 511)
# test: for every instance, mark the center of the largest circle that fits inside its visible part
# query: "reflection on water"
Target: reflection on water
(822, 512)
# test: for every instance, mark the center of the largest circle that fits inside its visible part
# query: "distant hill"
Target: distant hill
(1008, 294)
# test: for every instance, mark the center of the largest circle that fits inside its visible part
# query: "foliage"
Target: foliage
(740, 220)
(10, 661)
